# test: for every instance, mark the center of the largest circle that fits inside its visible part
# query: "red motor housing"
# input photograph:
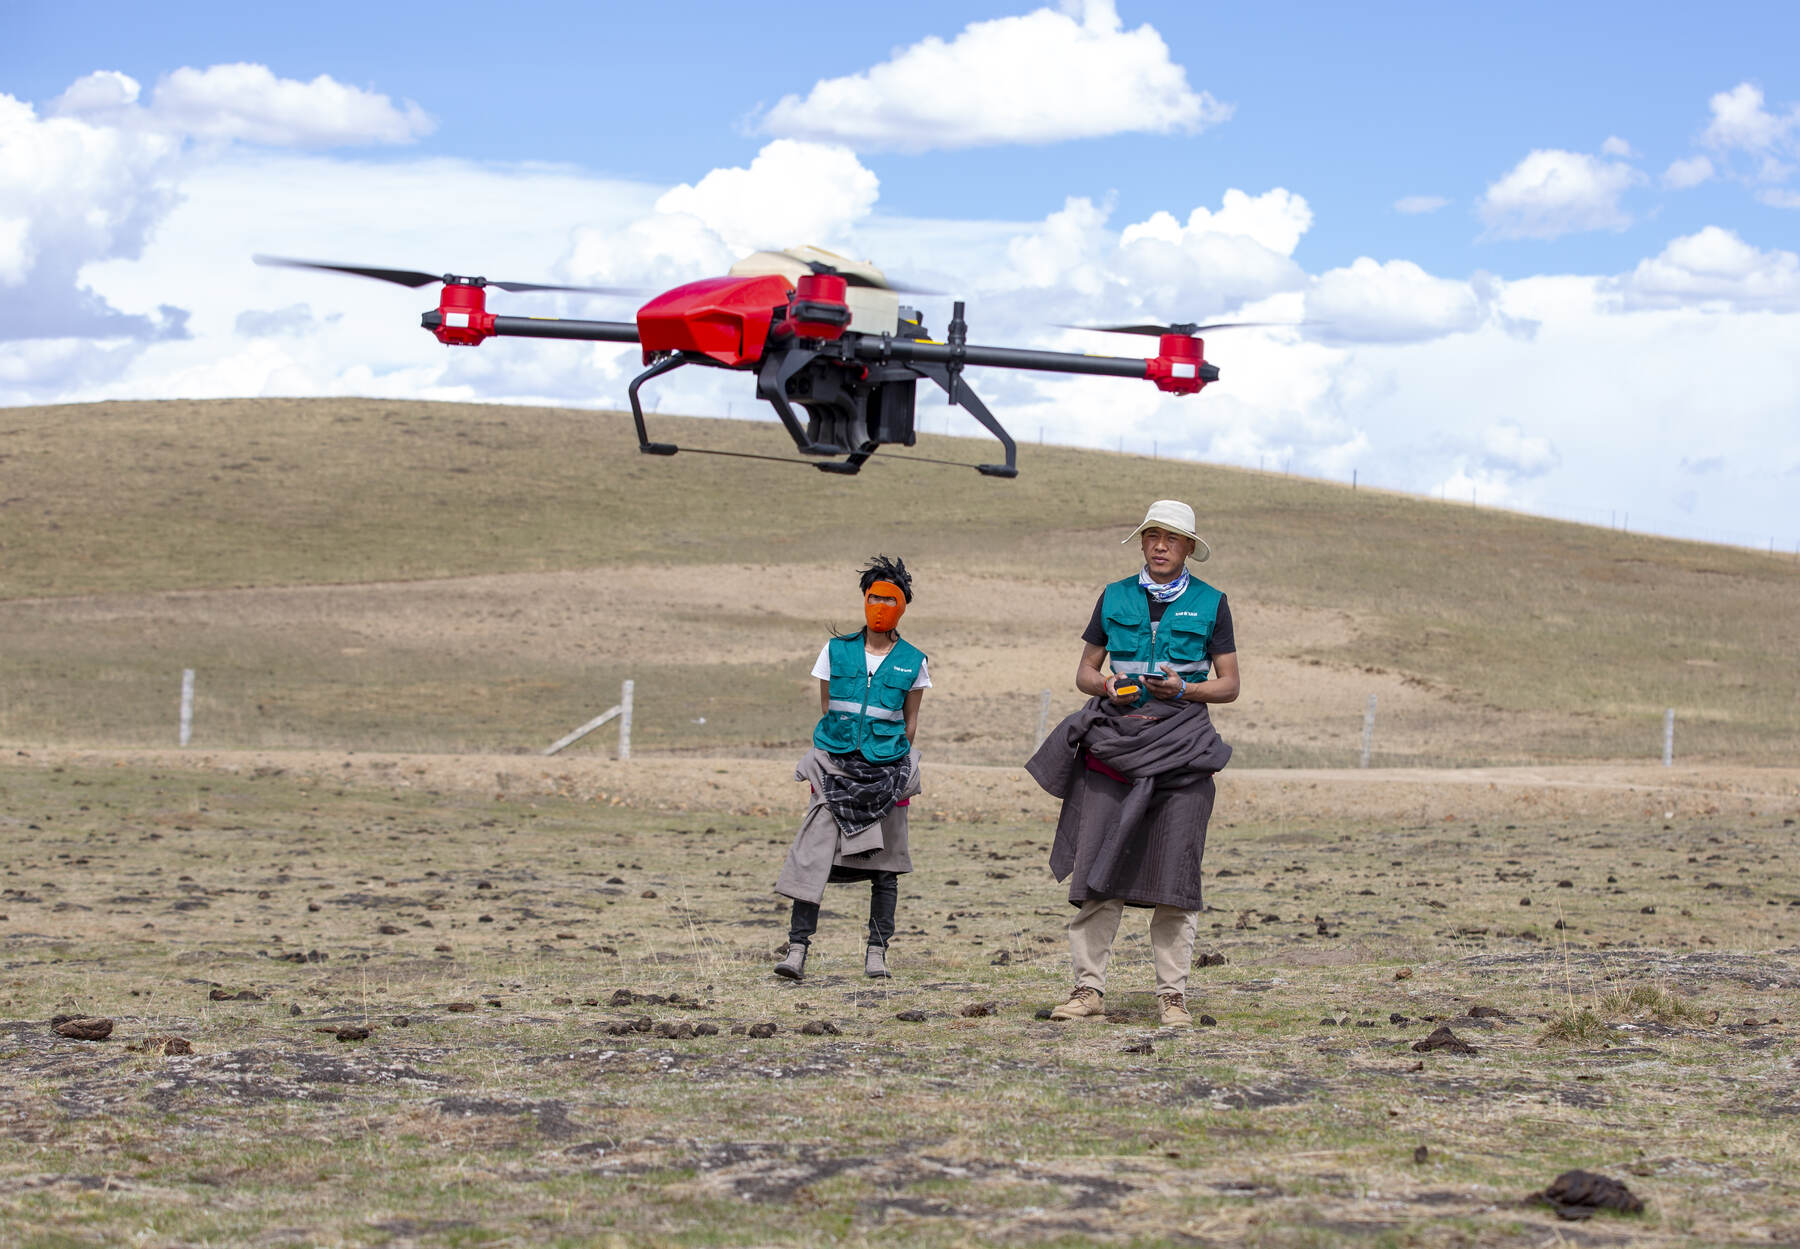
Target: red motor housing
(726, 319)
(1177, 366)
(818, 309)
(465, 319)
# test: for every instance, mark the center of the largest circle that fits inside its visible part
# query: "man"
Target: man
(1134, 767)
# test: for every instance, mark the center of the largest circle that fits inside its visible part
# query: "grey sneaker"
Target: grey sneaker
(793, 964)
(875, 964)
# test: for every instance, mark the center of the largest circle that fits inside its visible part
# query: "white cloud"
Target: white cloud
(1158, 269)
(1508, 449)
(1777, 198)
(246, 103)
(71, 193)
(89, 180)
(104, 97)
(294, 319)
(1275, 219)
(1390, 303)
(1714, 268)
(1691, 172)
(1413, 205)
(250, 104)
(1615, 146)
(1042, 77)
(793, 192)
(1740, 121)
(1551, 193)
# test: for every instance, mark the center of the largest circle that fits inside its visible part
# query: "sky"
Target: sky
(1540, 256)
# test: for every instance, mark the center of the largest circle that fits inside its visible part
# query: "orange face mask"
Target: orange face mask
(882, 617)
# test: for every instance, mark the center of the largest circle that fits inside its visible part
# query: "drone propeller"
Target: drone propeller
(859, 279)
(415, 279)
(1183, 327)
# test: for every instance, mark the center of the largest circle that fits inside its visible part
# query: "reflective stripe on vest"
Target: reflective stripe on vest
(874, 713)
(1127, 668)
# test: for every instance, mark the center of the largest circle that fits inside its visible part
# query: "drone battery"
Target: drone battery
(891, 411)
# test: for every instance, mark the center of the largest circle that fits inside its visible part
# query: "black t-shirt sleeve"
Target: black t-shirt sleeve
(1095, 633)
(1224, 640)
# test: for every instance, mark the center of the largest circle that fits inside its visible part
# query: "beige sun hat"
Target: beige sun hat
(1176, 517)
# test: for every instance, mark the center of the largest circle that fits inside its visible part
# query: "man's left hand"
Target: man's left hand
(1167, 686)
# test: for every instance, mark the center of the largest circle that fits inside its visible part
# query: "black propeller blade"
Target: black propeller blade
(1184, 327)
(858, 279)
(415, 279)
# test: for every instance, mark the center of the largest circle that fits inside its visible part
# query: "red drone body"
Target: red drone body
(821, 334)
(727, 320)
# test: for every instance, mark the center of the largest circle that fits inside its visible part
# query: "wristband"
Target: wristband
(1181, 694)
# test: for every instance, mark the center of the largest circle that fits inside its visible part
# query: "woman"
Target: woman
(863, 769)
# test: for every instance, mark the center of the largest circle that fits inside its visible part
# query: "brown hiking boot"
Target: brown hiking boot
(1084, 1003)
(1174, 1011)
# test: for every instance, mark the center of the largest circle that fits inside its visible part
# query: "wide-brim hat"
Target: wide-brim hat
(1176, 517)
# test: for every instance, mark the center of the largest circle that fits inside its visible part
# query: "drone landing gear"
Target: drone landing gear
(806, 445)
(949, 379)
(668, 365)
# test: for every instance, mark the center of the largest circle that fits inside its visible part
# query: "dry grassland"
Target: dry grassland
(375, 893)
(393, 606)
(376, 575)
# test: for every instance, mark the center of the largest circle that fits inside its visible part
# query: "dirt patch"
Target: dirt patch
(551, 1116)
(281, 1073)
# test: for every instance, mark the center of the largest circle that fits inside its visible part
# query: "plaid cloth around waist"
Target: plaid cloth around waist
(860, 792)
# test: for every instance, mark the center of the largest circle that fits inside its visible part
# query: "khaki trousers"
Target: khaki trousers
(1095, 925)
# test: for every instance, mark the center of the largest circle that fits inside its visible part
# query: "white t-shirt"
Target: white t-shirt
(822, 669)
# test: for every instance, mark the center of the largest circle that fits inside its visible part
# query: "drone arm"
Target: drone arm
(909, 351)
(913, 352)
(551, 327)
(545, 327)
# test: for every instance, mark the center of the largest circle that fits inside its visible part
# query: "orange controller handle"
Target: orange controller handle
(1124, 691)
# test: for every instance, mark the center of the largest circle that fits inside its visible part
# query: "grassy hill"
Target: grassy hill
(379, 574)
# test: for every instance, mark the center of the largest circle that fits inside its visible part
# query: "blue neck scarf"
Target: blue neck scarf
(1163, 593)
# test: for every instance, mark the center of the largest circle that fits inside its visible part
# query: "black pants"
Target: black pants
(884, 892)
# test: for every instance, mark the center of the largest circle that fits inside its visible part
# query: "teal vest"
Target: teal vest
(1179, 639)
(866, 711)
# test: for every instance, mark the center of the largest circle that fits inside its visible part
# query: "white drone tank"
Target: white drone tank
(873, 309)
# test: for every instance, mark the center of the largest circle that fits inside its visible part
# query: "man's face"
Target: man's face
(1165, 552)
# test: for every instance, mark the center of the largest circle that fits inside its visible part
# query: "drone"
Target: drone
(821, 333)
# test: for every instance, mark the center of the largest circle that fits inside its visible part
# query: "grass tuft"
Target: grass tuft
(1580, 1026)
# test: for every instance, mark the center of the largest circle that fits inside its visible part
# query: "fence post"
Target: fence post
(1368, 730)
(625, 693)
(1043, 715)
(1669, 737)
(187, 705)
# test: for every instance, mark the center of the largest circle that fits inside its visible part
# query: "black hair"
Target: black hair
(881, 568)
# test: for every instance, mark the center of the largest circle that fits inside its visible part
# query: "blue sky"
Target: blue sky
(1479, 341)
